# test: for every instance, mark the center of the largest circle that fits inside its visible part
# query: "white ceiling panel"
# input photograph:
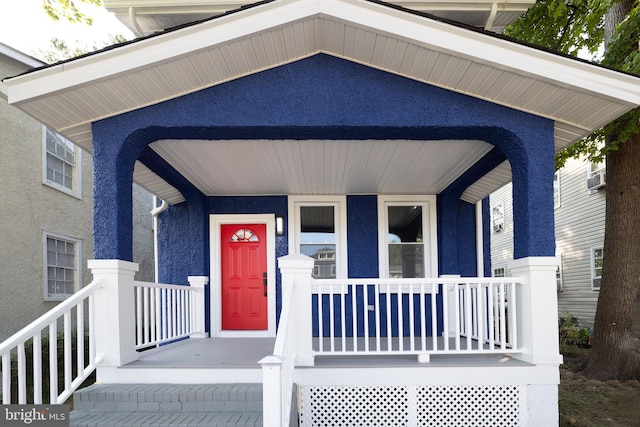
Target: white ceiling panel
(320, 167)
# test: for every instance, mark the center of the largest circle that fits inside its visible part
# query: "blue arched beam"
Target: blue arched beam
(323, 97)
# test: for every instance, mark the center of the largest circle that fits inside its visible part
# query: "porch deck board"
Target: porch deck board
(241, 353)
(245, 353)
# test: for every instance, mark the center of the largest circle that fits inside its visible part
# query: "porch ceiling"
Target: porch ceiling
(578, 96)
(320, 167)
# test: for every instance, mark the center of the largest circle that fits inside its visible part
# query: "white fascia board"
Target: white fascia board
(493, 51)
(155, 50)
(412, 28)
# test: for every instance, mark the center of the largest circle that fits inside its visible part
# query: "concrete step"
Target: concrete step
(235, 405)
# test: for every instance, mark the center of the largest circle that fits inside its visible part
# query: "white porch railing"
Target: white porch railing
(26, 381)
(166, 313)
(157, 313)
(415, 316)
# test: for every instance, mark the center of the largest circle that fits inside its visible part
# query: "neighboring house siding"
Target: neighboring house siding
(579, 227)
(501, 241)
(30, 209)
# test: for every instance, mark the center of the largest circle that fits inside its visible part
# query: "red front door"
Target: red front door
(244, 275)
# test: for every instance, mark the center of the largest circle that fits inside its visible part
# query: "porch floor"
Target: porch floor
(245, 353)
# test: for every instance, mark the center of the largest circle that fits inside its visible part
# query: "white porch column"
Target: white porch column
(538, 309)
(114, 311)
(296, 270)
(200, 283)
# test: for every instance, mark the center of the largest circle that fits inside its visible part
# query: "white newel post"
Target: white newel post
(451, 306)
(538, 309)
(296, 270)
(538, 335)
(200, 283)
(114, 311)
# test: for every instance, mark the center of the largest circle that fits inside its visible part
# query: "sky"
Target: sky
(25, 26)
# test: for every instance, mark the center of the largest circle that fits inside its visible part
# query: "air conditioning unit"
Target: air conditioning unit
(597, 181)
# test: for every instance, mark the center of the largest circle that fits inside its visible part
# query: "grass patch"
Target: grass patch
(585, 402)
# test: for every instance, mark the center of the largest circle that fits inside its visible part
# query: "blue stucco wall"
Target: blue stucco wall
(325, 97)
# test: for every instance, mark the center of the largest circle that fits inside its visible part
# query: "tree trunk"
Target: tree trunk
(616, 341)
(615, 353)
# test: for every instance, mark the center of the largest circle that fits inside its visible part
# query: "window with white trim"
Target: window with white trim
(319, 224)
(407, 241)
(497, 217)
(500, 272)
(62, 266)
(596, 176)
(61, 163)
(597, 255)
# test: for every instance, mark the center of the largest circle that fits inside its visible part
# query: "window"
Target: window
(559, 286)
(556, 190)
(62, 266)
(407, 242)
(320, 233)
(61, 163)
(499, 272)
(497, 217)
(597, 255)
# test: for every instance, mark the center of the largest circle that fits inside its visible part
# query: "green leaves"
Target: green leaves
(67, 9)
(570, 26)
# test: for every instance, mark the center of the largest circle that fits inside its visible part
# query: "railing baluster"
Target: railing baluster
(458, 312)
(389, 330)
(423, 318)
(22, 375)
(503, 332)
(513, 316)
(434, 318)
(376, 311)
(332, 330)
(491, 322)
(400, 319)
(343, 321)
(146, 316)
(80, 339)
(365, 314)
(139, 316)
(480, 312)
(67, 351)
(468, 314)
(6, 378)
(412, 345)
(37, 368)
(53, 363)
(320, 320)
(354, 317)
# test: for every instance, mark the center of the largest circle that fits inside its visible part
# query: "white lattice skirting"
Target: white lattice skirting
(432, 406)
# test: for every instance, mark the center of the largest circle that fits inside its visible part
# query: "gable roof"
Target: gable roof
(578, 96)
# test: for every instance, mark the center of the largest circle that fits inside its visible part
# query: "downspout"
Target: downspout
(157, 210)
(479, 240)
(134, 22)
(492, 17)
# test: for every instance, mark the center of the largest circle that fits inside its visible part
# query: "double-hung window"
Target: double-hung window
(62, 266)
(407, 243)
(319, 224)
(61, 163)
